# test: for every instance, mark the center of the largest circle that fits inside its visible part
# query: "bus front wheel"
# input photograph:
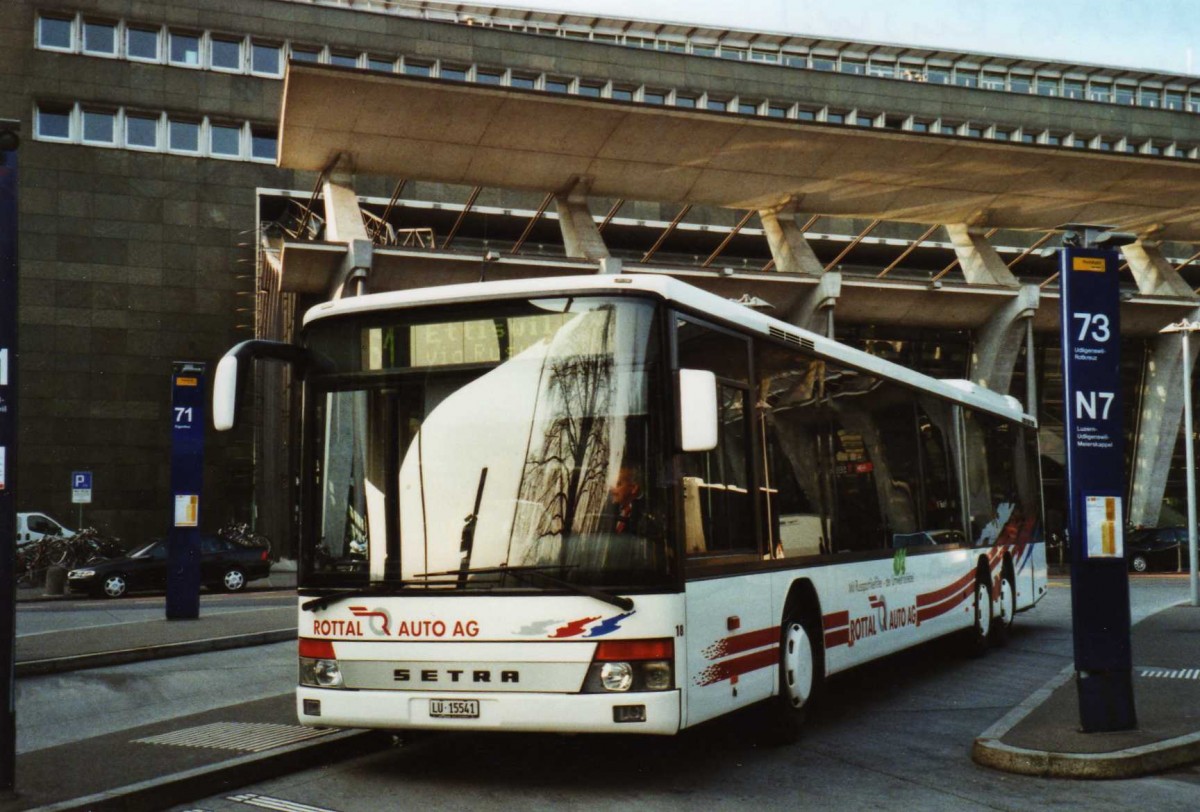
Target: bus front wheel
(799, 674)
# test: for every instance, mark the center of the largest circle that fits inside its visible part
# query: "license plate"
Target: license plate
(454, 708)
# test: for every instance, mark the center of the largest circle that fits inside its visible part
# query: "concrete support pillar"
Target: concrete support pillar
(581, 238)
(1160, 414)
(999, 342)
(344, 223)
(815, 311)
(980, 263)
(789, 249)
(1153, 274)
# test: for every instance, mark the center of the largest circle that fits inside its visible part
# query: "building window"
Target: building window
(99, 38)
(777, 111)
(964, 77)
(685, 101)
(488, 76)
(1149, 97)
(557, 85)
(226, 54)
(1053, 140)
(717, 104)
(99, 127)
(622, 94)
(1100, 93)
(747, 108)
(183, 135)
(704, 50)
(1174, 100)
(344, 60)
(1028, 138)
(806, 115)
(225, 140)
(264, 58)
(654, 97)
(304, 53)
(733, 53)
(142, 44)
(185, 49)
(417, 68)
(795, 60)
(55, 32)
(1019, 84)
(523, 81)
(855, 66)
(1002, 135)
(1124, 94)
(824, 63)
(864, 121)
(141, 131)
(455, 73)
(835, 118)
(1047, 86)
(262, 143)
(1073, 89)
(54, 123)
(974, 131)
(993, 81)
(884, 70)
(937, 76)
(379, 63)
(1104, 145)
(920, 126)
(590, 89)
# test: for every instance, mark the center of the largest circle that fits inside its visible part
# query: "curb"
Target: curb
(988, 751)
(103, 659)
(160, 793)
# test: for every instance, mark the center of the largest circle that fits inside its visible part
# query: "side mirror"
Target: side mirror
(697, 410)
(224, 396)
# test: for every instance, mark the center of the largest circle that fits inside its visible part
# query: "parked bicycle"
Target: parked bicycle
(240, 533)
(86, 546)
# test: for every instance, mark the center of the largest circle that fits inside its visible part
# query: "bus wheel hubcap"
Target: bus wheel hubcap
(797, 665)
(1007, 601)
(983, 613)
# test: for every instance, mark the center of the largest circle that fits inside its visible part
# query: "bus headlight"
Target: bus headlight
(318, 664)
(616, 676)
(320, 673)
(621, 666)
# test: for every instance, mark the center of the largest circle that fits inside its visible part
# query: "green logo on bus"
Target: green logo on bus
(898, 561)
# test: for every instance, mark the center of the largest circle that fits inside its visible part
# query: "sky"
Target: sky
(1148, 34)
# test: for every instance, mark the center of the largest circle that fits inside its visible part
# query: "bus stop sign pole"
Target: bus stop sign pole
(1095, 440)
(8, 458)
(187, 480)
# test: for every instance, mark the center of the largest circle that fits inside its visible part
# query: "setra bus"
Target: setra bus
(617, 503)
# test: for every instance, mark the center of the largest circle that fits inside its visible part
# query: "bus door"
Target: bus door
(731, 635)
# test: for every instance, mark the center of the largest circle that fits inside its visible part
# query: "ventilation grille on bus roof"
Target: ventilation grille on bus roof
(792, 338)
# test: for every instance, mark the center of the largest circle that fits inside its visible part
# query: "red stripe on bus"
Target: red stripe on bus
(743, 642)
(841, 637)
(729, 669)
(929, 612)
(945, 592)
(835, 619)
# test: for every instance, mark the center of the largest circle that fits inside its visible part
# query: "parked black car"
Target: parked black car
(223, 565)
(1157, 548)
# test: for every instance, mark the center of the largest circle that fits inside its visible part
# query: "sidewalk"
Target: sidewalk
(158, 765)
(1041, 736)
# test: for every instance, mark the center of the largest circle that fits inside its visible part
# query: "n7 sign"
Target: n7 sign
(1086, 404)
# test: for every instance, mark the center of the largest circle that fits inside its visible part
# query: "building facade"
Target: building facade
(152, 212)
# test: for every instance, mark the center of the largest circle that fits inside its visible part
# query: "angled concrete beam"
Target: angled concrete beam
(980, 263)
(581, 238)
(815, 310)
(344, 223)
(1160, 412)
(1153, 274)
(998, 343)
(790, 252)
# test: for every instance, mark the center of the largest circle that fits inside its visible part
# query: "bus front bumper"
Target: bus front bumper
(550, 713)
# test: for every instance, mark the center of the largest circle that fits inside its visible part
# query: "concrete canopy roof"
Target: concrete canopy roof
(453, 132)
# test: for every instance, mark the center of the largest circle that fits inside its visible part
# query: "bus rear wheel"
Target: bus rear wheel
(1002, 628)
(799, 674)
(977, 637)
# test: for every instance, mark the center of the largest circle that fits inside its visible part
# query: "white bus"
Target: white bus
(619, 503)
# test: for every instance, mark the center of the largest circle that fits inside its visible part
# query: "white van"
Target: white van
(34, 526)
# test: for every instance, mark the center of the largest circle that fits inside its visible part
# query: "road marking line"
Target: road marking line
(267, 802)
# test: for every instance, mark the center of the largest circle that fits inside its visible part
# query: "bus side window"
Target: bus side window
(792, 420)
(718, 510)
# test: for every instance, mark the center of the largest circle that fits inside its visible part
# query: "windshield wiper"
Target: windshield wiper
(530, 572)
(388, 588)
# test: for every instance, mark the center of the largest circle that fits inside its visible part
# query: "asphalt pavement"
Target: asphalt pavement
(200, 754)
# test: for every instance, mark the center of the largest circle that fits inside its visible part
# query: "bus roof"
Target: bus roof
(689, 297)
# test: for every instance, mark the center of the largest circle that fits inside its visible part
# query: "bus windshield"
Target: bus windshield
(471, 447)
